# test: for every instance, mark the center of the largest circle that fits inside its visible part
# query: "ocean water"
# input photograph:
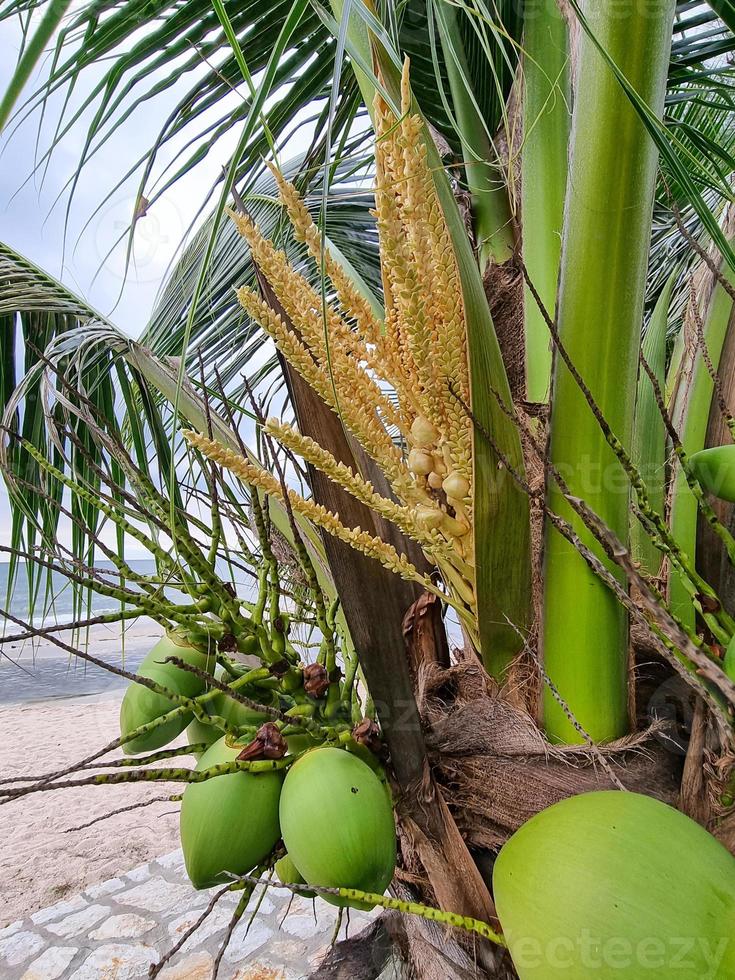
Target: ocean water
(55, 602)
(39, 671)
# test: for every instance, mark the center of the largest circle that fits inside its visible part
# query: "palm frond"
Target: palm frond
(222, 335)
(90, 429)
(146, 62)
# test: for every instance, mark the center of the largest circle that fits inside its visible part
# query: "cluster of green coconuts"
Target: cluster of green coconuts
(333, 813)
(606, 884)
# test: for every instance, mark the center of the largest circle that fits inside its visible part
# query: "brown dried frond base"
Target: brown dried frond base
(719, 772)
(504, 292)
(497, 770)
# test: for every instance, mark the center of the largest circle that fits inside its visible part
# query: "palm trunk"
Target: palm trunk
(604, 259)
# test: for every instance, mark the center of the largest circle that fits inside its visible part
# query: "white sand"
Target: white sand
(41, 863)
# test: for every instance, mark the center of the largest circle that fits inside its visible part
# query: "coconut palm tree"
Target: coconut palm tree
(574, 163)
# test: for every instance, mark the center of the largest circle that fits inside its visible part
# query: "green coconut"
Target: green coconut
(728, 661)
(140, 705)
(236, 714)
(228, 824)
(616, 886)
(301, 743)
(715, 470)
(337, 823)
(289, 874)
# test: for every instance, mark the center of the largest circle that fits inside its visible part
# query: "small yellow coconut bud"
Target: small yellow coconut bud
(420, 463)
(456, 486)
(423, 432)
(430, 517)
(456, 528)
(434, 480)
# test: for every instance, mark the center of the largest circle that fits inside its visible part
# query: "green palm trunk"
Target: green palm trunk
(649, 437)
(546, 112)
(604, 260)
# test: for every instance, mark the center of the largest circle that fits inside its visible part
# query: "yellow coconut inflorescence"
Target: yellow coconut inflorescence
(423, 433)
(400, 382)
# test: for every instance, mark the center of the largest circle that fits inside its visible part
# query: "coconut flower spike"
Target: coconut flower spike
(351, 300)
(392, 384)
(358, 539)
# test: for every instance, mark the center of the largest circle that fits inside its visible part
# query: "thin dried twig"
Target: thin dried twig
(123, 809)
(126, 763)
(702, 252)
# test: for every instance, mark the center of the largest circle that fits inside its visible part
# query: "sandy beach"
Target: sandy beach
(42, 858)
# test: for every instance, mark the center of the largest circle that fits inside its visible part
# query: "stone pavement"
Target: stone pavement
(116, 929)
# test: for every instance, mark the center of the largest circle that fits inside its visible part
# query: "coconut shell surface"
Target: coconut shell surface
(337, 823)
(228, 823)
(198, 732)
(237, 714)
(616, 886)
(715, 470)
(289, 874)
(140, 705)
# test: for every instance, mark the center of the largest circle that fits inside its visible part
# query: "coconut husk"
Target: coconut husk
(504, 291)
(722, 812)
(497, 770)
(693, 799)
(434, 954)
(367, 955)
(406, 947)
(438, 952)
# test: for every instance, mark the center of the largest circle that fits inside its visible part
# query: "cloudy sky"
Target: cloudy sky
(74, 246)
(73, 241)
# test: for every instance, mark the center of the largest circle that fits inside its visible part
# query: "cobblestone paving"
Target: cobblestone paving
(116, 929)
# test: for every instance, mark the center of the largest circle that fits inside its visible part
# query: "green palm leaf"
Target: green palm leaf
(93, 395)
(221, 333)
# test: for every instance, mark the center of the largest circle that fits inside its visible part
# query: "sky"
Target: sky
(76, 241)
(75, 247)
